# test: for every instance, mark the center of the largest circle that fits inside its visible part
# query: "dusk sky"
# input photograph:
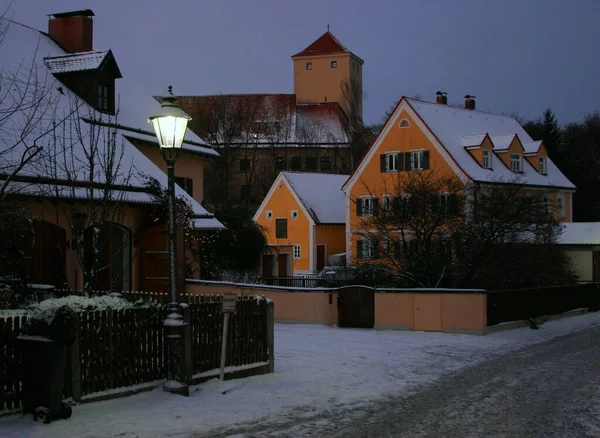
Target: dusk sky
(515, 56)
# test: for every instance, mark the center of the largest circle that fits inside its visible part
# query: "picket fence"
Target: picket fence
(121, 348)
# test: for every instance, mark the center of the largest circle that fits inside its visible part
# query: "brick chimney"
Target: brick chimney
(469, 102)
(441, 97)
(73, 31)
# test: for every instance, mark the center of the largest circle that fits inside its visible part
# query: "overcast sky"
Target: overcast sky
(515, 55)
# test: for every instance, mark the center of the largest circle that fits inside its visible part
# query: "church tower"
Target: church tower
(326, 71)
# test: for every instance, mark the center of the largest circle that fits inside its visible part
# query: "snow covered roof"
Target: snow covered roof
(321, 195)
(278, 121)
(580, 233)
(472, 140)
(76, 61)
(65, 129)
(532, 147)
(450, 125)
(502, 142)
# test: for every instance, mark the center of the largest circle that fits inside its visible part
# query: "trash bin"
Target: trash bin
(44, 345)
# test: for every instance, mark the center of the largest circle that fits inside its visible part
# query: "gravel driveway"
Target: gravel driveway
(546, 390)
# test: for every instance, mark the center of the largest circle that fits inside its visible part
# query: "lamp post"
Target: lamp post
(170, 124)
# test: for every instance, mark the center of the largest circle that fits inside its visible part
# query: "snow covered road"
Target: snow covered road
(551, 389)
(322, 374)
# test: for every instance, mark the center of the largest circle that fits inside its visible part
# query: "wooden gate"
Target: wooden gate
(155, 259)
(356, 307)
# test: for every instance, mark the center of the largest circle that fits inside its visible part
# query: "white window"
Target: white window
(443, 200)
(366, 248)
(416, 160)
(547, 205)
(294, 214)
(542, 165)
(269, 214)
(391, 162)
(516, 164)
(333, 64)
(560, 206)
(309, 65)
(386, 202)
(404, 123)
(367, 206)
(296, 251)
(487, 159)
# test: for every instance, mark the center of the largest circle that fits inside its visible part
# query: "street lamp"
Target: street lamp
(170, 124)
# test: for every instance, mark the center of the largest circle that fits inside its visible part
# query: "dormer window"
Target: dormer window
(103, 97)
(486, 159)
(542, 168)
(516, 163)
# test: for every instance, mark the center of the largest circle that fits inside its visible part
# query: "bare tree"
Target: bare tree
(433, 229)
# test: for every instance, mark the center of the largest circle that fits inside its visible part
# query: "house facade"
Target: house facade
(473, 146)
(260, 135)
(303, 219)
(72, 159)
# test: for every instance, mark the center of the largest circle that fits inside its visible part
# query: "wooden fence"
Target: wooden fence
(521, 304)
(121, 348)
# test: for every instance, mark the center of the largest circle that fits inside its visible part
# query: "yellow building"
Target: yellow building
(303, 218)
(472, 145)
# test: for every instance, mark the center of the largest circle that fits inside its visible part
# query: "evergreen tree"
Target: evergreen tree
(551, 134)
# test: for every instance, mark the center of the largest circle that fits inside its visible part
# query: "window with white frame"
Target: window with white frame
(560, 206)
(443, 200)
(296, 251)
(366, 206)
(404, 123)
(542, 165)
(386, 202)
(294, 214)
(417, 161)
(269, 214)
(547, 205)
(487, 159)
(516, 163)
(366, 248)
(391, 162)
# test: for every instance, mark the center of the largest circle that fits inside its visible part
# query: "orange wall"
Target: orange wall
(322, 83)
(394, 309)
(281, 203)
(60, 215)
(188, 166)
(533, 159)
(372, 182)
(333, 237)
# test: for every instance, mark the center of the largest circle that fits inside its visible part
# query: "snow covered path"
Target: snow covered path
(318, 370)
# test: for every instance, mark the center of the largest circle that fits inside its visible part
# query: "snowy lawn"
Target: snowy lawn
(317, 368)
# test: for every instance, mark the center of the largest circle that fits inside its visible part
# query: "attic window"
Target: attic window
(269, 214)
(404, 123)
(333, 64)
(103, 97)
(542, 166)
(309, 65)
(516, 164)
(486, 161)
(294, 214)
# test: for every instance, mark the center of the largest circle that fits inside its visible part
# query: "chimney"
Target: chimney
(469, 102)
(72, 31)
(441, 97)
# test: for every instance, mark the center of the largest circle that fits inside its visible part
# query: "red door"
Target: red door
(155, 260)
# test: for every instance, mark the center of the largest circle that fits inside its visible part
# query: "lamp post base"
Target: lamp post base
(175, 331)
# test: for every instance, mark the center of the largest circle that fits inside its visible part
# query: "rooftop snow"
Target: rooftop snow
(450, 124)
(502, 142)
(472, 140)
(321, 194)
(532, 147)
(75, 62)
(580, 233)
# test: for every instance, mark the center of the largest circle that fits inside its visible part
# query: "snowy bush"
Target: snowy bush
(248, 277)
(82, 304)
(57, 323)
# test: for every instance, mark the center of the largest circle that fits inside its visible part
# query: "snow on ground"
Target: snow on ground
(317, 368)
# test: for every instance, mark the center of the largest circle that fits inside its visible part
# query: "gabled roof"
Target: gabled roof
(449, 125)
(326, 44)
(502, 142)
(62, 118)
(321, 194)
(81, 62)
(469, 141)
(532, 147)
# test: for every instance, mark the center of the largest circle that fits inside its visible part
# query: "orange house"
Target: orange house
(303, 218)
(472, 145)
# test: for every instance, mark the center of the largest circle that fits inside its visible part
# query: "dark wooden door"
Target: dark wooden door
(320, 257)
(49, 254)
(356, 307)
(596, 265)
(282, 265)
(267, 265)
(155, 260)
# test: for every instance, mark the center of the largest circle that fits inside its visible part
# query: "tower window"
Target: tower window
(333, 64)
(309, 65)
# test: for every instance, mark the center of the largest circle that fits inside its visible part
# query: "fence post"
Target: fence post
(187, 343)
(76, 369)
(271, 335)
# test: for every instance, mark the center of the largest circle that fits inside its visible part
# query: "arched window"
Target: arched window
(404, 123)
